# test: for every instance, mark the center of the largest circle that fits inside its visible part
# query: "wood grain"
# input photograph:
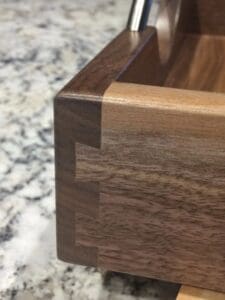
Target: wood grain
(161, 177)
(196, 61)
(74, 121)
(200, 64)
(140, 152)
(77, 118)
(111, 63)
(153, 65)
(163, 98)
(207, 17)
(190, 293)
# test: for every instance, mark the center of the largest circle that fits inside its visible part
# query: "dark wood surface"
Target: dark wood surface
(207, 17)
(200, 64)
(74, 121)
(140, 181)
(78, 120)
(113, 61)
(161, 177)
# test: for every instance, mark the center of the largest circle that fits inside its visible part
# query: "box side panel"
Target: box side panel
(161, 175)
(75, 121)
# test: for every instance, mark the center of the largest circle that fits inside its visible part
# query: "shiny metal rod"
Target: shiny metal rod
(139, 14)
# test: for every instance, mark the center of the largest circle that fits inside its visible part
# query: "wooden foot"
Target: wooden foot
(191, 293)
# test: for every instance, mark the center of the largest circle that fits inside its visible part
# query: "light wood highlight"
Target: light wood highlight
(191, 293)
(163, 98)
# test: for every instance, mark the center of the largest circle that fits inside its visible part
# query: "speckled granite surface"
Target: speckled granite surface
(43, 44)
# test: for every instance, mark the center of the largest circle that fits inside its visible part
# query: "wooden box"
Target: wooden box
(140, 151)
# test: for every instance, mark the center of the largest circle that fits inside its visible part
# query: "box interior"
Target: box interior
(187, 49)
(199, 64)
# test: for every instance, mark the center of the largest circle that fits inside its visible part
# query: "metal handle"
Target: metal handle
(139, 14)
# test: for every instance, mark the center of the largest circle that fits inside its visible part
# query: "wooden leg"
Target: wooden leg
(191, 293)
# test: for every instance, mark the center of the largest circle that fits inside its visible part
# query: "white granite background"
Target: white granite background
(43, 44)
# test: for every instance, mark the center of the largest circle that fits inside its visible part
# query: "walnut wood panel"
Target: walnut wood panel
(113, 62)
(200, 64)
(161, 175)
(140, 169)
(153, 64)
(190, 293)
(78, 120)
(207, 17)
(74, 121)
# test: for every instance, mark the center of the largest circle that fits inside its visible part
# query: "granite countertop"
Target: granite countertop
(43, 44)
